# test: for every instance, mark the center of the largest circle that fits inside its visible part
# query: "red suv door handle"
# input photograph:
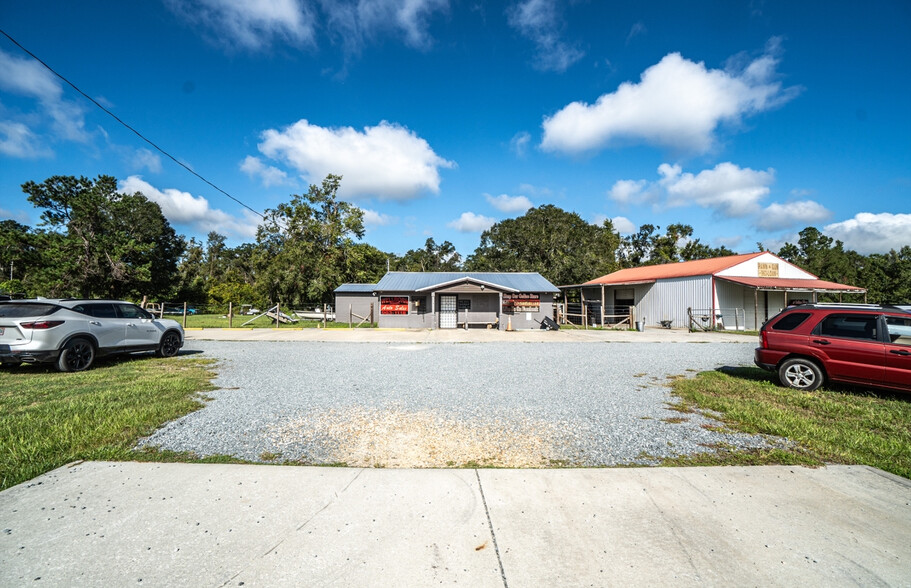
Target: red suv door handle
(821, 341)
(900, 352)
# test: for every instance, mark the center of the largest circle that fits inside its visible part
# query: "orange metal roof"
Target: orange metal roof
(650, 273)
(792, 284)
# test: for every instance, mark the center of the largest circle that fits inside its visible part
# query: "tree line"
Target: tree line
(93, 241)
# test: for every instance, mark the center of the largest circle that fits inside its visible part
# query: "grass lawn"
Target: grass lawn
(220, 321)
(838, 425)
(49, 419)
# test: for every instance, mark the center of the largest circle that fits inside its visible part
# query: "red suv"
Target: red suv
(861, 344)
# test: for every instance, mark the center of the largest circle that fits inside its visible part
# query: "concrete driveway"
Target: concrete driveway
(130, 524)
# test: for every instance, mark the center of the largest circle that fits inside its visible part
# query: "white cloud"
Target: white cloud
(730, 242)
(636, 30)
(677, 103)
(779, 216)
(258, 25)
(145, 159)
(506, 203)
(623, 225)
(538, 21)
(387, 161)
(373, 218)
(626, 191)
(470, 222)
(27, 77)
(869, 233)
(268, 175)
(540, 192)
(354, 23)
(250, 25)
(730, 190)
(519, 143)
(184, 208)
(17, 140)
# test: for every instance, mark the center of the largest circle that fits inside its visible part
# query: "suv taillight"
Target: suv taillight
(764, 339)
(41, 325)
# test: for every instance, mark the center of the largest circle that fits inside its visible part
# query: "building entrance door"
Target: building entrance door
(448, 311)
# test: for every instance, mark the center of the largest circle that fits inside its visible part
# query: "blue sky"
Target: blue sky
(746, 120)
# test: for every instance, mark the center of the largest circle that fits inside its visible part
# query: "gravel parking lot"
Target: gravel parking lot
(446, 404)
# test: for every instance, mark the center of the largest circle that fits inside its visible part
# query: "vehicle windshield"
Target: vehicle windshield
(26, 309)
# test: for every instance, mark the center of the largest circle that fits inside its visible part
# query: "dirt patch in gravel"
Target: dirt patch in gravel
(403, 439)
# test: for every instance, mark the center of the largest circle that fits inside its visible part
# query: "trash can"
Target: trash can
(640, 326)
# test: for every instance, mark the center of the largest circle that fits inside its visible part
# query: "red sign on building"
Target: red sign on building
(393, 305)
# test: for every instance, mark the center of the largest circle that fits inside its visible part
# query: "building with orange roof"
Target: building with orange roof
(734, 292)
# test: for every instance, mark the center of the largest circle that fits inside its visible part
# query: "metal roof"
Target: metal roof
(416, 281)
(356, 289)
(683, 269)
(792, 284)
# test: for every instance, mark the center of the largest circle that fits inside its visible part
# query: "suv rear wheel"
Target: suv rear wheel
(77, 355)
(800, 374)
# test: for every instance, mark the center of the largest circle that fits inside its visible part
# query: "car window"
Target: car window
(851, 326)
(791, 321)
(97, 310)
(899, 329)
(131, 311)
(26, 309)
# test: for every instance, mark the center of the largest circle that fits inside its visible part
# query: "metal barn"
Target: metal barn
(738, 292)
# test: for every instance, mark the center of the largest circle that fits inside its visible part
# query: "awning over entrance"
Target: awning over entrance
(799, 285)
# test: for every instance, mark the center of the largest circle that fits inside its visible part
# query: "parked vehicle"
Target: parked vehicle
(862, 344)
(71, 333)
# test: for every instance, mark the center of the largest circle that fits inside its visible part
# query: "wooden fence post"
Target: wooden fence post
(230, 315)
(185, 315)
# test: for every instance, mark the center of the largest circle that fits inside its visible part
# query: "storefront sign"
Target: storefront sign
(513, 303)
(393, 305)
(768, 270)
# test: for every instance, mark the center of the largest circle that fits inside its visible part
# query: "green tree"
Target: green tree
(190, 283)
(101, 242)
(19, 256)
(365, 264)
(822, 256)
(432, 258)
(304, 245)
(649, 247)
(559, 245)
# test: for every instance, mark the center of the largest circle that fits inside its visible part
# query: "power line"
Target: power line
(137, 133)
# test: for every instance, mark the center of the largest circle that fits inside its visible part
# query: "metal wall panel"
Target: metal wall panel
(667, 300)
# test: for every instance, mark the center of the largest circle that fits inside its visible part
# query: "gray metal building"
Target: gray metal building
(449, 300)
(354, 302)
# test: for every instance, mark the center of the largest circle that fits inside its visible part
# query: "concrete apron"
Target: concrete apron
(120, 524)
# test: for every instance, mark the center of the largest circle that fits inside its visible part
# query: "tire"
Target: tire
(169, 346)
(77, 355)
(801, 374)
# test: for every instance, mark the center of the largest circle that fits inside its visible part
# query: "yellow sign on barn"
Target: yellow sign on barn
(768, 270)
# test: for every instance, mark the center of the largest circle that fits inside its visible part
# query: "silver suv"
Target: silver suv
(72, 332)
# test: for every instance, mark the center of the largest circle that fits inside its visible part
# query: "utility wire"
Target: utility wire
(137, 133)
